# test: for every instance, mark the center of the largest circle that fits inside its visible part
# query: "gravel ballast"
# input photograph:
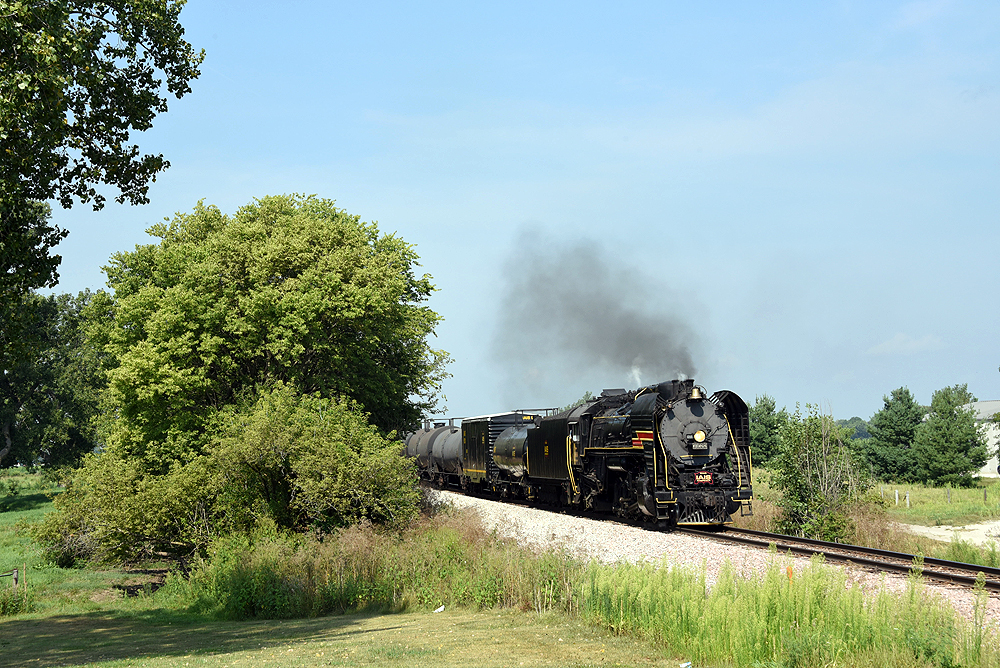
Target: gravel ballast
(612, 542)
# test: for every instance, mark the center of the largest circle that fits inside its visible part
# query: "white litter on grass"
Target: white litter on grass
(441, 609)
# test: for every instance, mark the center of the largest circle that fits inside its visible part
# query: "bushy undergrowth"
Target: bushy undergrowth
(295, 460)
(444, 560)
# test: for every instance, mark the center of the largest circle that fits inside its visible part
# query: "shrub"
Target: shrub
(110, 511)
(301, 460)
(294, 461)
(817, 477)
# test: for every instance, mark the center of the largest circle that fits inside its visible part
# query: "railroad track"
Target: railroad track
(940, 570)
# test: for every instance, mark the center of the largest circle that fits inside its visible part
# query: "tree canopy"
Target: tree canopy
(949, 447)
(77, 77)
(817, 476)
(289, 289)
(49, 382)
(765, 426)
(889, 452)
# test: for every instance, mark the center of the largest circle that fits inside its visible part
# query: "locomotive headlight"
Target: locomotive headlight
(699, 436)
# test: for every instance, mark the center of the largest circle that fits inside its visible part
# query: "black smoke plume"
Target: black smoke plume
(572, 312)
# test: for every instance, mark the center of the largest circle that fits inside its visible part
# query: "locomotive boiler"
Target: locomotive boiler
(665, 453)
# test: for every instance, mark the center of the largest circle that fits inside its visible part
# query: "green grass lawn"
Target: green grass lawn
(452, 638)
(930, 506)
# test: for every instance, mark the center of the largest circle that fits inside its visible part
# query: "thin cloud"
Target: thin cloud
(903, 344)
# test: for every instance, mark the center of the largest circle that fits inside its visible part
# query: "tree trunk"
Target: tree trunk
(6, 438)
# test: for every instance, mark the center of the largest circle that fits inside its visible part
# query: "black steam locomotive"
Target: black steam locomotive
(664, 453)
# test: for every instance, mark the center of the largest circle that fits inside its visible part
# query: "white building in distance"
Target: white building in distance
(985, 410)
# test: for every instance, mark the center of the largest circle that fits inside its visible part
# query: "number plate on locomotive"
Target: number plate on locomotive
(703, 477)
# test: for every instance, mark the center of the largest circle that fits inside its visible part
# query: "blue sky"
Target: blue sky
(809, 191)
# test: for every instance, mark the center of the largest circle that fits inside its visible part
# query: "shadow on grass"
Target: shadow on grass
(104, 636)
(23, 502)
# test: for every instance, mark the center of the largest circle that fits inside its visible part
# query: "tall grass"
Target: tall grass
(14, 602)
(444, 560)
(810, 619)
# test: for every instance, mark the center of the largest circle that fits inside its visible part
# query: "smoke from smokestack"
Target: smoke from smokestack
(569, 310)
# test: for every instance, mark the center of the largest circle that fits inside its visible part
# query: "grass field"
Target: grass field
(452, 638)
(929, 506)
(609, 616)
(936, 506)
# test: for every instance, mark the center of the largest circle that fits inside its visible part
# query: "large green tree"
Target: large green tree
(49, 384)
(256, 366)
(949, 447)
(889, 452)
(765, 425)
(77, 77)
(289, 289)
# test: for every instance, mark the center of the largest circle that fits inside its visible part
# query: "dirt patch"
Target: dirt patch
(979, 534)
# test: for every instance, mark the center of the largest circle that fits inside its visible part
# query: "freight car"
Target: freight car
(665, 453)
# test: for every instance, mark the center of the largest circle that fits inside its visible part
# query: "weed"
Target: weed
(15, 602)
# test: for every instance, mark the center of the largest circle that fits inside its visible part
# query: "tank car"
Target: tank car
(665, 453)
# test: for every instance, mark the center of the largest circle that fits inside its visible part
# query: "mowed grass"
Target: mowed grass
(451, 638)
(930, 506)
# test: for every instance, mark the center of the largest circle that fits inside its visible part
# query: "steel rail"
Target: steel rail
(895, 562)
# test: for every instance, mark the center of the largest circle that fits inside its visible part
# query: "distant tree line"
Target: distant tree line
(940, 444)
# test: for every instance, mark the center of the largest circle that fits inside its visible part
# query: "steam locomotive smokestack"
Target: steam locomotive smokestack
(568, 307)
